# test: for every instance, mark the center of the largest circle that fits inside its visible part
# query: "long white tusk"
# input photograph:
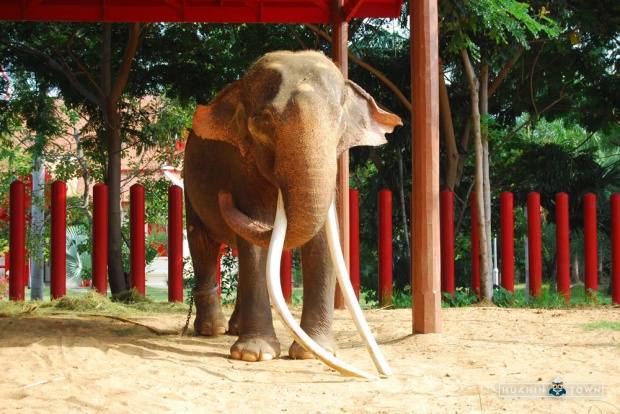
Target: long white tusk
(349, 295)
(275, 294)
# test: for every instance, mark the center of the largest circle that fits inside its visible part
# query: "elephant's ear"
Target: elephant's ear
(223, 119)
(366, 123)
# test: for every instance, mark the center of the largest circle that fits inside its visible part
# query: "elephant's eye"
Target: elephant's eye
(261, 128)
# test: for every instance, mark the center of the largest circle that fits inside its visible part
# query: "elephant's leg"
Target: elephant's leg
(257, 338)
(233, 322)
(319, 287)
(209, 317)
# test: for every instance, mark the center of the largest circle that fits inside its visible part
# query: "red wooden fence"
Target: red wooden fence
(17, 258)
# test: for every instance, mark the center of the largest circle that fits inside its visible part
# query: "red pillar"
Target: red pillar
(58, 248)
(446, 211)
(100, 238)
(17, 240)
(507, 243)
(615, 249)
(175, 244)
(385, 247)
(475, 248)
(534, 243)
(354, 240)
(562, 244)
(590, 241)
(286, 275)
(137, 253)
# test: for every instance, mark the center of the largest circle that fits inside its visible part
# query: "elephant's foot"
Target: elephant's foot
(209, 317)
(296, 351)
(255, 349)
(233, 322)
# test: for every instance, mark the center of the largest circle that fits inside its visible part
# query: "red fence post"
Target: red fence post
(590, 242)
(58, 248)
(475, 248)
(175, 244)
(534, 235)
(446, 228)
(615, 249)
(507, 243)
(385, 247)
(354, 240)
(17, 240)
(562, 244)
(100, 238)
(286, 275)
(137, 253)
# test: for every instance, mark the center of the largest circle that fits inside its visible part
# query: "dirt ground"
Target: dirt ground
(90, 364)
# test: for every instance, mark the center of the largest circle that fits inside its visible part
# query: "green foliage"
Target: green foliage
(492, 23)
(229, 276)
(462, 297)
(602, 325)
(79, 261)
(401, 299)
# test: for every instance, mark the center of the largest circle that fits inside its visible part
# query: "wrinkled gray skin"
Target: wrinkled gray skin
(282, 126)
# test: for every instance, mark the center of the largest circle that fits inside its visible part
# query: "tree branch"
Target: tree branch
(369, 68)
(60, 68)
(504, 72)
(77, 61)
(123, 72)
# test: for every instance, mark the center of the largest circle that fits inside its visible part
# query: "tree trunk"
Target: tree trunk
(486, 183)
(575, 271)
(112, 92)
(448, 133)
(486, 286)
(403, 205)
(37, 223)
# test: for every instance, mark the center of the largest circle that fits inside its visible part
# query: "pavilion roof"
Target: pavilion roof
(211, 11)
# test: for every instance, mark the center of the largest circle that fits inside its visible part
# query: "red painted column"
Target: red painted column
(286, 275)
(100, 238)
(385, 247)
(446, 211)
(58, 242)
(475, 248)
(615, 249)
(175, 244)
(354, 240)
(590, 242)
(534, 243)
(562, 244)
(137, 252)
(17, 240)
(507, 243)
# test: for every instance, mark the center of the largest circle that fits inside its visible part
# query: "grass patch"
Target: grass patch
(91, 302)
(602, 325)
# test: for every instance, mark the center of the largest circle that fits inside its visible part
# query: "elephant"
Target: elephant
(277, 131)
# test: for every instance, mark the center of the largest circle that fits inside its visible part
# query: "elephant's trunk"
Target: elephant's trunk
(306, 166)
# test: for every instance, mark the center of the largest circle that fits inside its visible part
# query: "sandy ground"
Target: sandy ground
(92, 364)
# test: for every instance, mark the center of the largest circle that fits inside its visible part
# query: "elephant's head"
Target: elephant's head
(293, 114)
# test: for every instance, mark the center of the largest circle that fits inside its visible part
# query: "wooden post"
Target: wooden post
(58, 241)
(508, 240)
(425, 269)
(562, 236)
(340, 56)
(175, 244)
(137, 252)
(446, 226)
